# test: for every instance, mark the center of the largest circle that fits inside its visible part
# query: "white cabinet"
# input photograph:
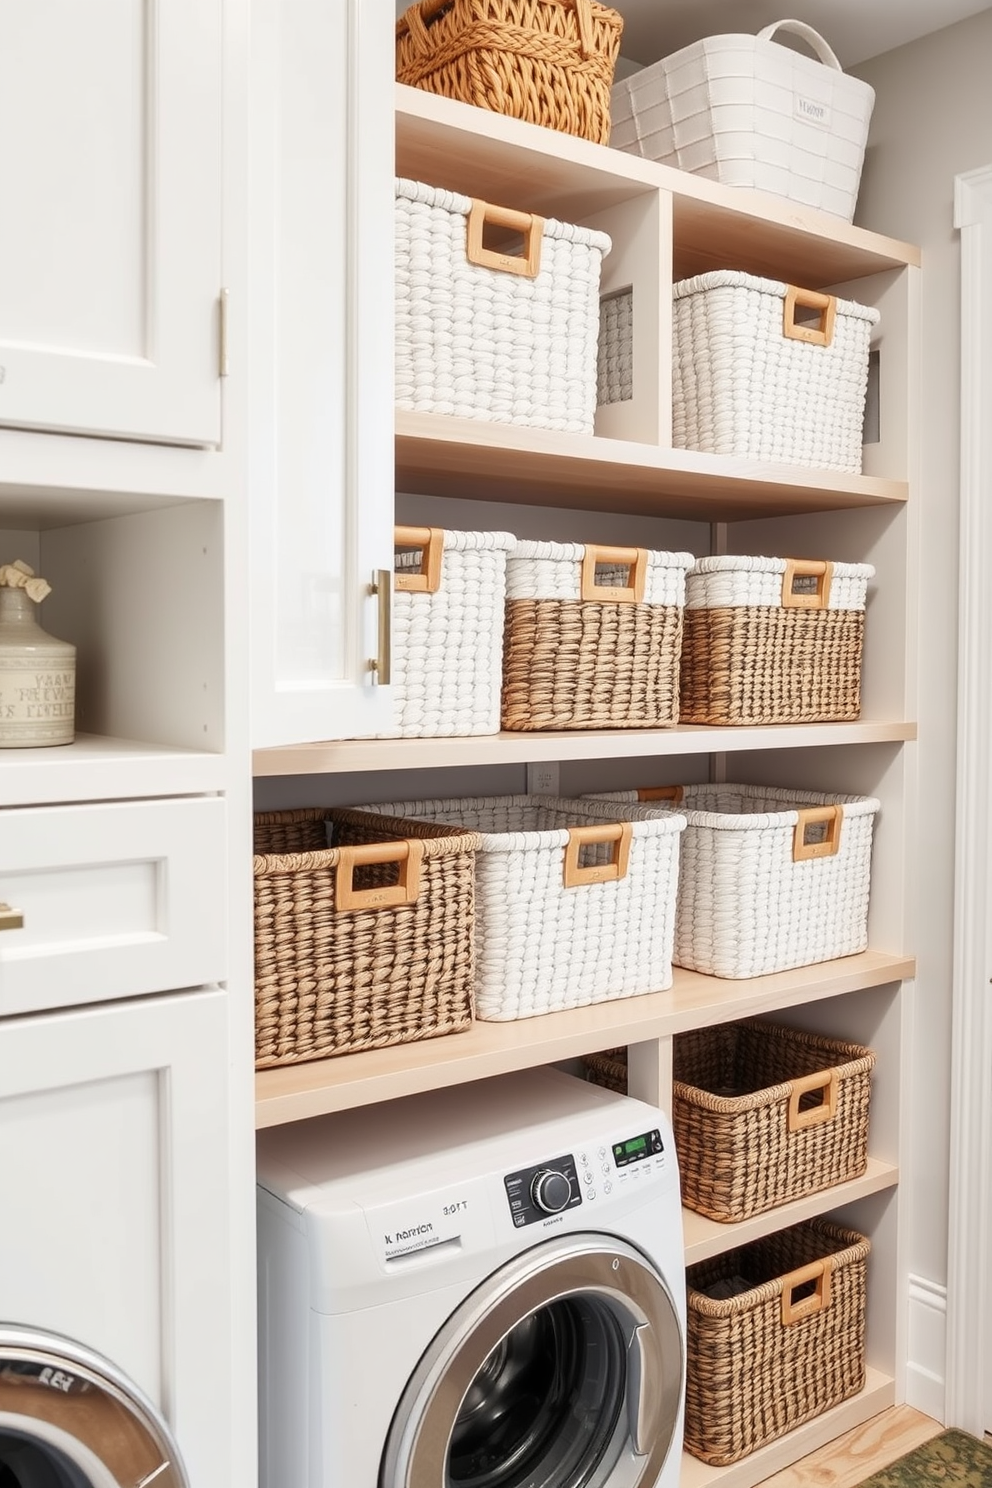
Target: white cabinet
(321, 471)
(110, 255)
(117, 900)
(115, 1176)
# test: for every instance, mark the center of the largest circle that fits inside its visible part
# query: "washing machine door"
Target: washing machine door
(563, 1370)
(70, 1419)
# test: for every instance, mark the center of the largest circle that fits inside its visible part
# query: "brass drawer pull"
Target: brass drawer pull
(10, 919)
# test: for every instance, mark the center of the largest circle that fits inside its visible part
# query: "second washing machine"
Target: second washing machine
(479, 1287)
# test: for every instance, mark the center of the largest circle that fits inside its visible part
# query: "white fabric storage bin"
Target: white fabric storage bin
(447, 631)
(747, 111)
(769, 879)
(553, 930)
(490, 335)
(593, 636)
(752, 378)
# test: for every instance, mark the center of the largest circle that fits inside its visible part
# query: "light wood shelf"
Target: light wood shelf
(297, 1092)
(97, 768)
(341, 756)
(443, 456)
(878, 1395)
(479, 153)
(705, 1238)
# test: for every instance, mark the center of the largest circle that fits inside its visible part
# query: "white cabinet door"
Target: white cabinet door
(116, 1194)
(110, 253)
(321, 469)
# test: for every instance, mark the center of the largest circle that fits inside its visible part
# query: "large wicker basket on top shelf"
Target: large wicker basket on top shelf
(351, 951)
(550, 62)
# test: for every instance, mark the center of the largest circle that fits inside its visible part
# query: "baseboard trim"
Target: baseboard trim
(925, 1370)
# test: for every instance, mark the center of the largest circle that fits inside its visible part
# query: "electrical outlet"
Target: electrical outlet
(542, 780)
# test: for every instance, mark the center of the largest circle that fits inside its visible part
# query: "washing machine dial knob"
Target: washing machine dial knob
(551, 1190)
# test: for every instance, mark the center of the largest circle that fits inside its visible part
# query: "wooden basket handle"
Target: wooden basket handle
(583, 17)
(636, 561)
(825, 1080)
(803, 851)
(817, 1301)
(619, 833)
(428, 579)
(814, 335)
(673, 793)
(529, 226)
(807, 568)
(409, 854)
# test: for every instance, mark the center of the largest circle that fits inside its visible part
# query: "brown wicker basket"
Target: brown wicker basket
(793, 655)
(761, 1114)
(351, 951)
(776, 1336)
(575, 656)
(550, 62)
(739, 666)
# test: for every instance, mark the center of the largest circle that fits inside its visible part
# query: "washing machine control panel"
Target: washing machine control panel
(642, 1148)
(549, 1188)
(593, 1174)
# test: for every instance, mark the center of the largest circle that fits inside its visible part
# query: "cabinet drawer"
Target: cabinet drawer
(117, 899)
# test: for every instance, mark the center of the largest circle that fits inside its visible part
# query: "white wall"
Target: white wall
(932, 120)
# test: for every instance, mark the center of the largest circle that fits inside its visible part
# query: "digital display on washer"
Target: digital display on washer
(635, 1149)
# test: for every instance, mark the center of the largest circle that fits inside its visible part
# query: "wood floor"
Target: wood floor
(854, 1457)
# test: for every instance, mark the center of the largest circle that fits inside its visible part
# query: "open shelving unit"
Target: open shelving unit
(664, 226)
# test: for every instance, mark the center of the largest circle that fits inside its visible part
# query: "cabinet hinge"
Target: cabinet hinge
(222, 368)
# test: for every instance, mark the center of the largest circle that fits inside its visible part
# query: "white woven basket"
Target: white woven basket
(543, 944)
(615, 365)
(550, 570)
(447, 631)
(753, 378)
(730, 580)
(490, 335)
(747, 111)
(769, 879)
(593, 636)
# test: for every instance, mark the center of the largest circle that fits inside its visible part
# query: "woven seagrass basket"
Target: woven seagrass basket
(593, 637)
(776, 1336)
(482, 333)
(447, 631)
(773, 640)
(574, 900)
(768, 879)
(550, 62)
(753, 378)
(352, 951)
(761, 1114)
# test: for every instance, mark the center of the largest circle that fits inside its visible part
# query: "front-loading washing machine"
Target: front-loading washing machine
(478, 1287)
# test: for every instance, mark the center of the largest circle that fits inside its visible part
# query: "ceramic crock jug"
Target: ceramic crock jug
(37, 672)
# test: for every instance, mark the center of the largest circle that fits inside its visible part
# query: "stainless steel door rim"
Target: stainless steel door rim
(603, 1289)
(71, 1418)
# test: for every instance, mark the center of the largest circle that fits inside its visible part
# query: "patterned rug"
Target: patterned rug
(954, 1457)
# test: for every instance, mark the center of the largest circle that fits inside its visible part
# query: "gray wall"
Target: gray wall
(932, 120)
